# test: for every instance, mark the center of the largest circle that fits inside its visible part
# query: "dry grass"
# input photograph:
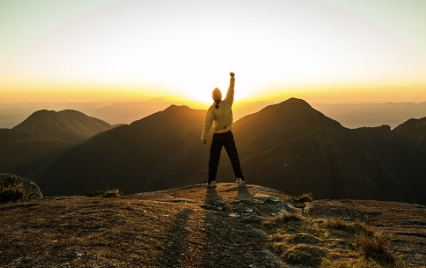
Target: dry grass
(304, 254)
(375, 248)
(283, 220)
(348, 263)
(105, 194)
(357, 263)
(303, 198)
(352, 228)
(11, 194)
(327, 243)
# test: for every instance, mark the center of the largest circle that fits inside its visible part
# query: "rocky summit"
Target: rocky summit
(193, 226)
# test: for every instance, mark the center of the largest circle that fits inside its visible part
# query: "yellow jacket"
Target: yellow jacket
(221, 118)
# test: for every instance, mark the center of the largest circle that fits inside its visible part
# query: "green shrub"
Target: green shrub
(95, 193)
(112, 193)
(13, 193)
(105, 194)
(303, 198)
(274, 247)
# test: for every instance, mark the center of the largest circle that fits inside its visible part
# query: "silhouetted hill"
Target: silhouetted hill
(68, 125)
(43, 136)
(21, 152)
(410, 139)
(288, 146)
(153, 153)
(292, 147)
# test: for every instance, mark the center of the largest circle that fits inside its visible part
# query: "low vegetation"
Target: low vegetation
(353, 228)
(327, 243)
(11, 194)
(375, 248)
(303, 198)
(105, 194)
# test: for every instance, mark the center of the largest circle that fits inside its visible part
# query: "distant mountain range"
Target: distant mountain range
(156, 152)
(371, 114)
(43, 136)
(288, 146)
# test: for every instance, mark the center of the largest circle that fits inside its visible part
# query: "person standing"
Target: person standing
(219, 115)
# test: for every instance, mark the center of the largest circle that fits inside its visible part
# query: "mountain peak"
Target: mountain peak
(413, 129)
(174, 107)
(67, 125)
(293, 106)
(296, 103)
(296, 100)
(45, 112)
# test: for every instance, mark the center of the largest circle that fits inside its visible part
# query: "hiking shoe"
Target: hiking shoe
(240, 182)
(212, 184)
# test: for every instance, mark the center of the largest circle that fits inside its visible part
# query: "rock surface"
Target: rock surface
(192, 226)
(27, 185)
(402, 224)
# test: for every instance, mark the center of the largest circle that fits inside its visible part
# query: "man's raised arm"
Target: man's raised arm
(230, 94)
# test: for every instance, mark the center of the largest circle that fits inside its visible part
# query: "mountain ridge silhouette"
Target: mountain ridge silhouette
(42, 136)
(288, 146)
(67, 125)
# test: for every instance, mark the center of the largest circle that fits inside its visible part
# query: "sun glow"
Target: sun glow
(181, 51)
(199, 88)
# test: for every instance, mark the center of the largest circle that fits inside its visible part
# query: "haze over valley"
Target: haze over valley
(350, 115)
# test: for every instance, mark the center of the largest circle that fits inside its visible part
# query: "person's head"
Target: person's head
(216, 94)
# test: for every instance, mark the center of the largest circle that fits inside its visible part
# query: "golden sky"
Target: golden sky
(127, 50)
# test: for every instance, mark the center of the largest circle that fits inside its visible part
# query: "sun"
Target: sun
(199, 88)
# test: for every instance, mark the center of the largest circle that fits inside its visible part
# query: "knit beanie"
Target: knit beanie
(216, 94)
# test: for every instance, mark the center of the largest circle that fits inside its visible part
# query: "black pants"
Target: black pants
(219, 140)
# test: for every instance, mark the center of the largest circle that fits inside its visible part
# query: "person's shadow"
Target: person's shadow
(213, 200)
(214, 230)
(175, 245)
(243, 194)
(226, 238)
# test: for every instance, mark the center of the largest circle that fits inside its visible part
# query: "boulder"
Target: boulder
(27, 185)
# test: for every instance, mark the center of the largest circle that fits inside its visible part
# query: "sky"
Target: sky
(178, 51)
